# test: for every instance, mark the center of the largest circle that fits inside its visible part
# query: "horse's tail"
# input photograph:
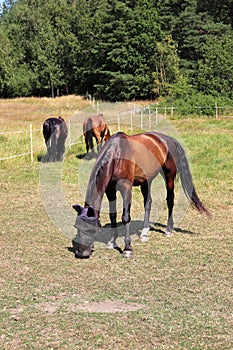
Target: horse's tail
(89, 133)
(187, 181)
(47, 130)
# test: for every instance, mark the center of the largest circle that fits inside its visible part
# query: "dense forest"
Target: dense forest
(116, 50)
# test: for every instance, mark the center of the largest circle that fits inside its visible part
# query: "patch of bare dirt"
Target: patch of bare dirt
(108, 306)
(53, 305)
(49, 307)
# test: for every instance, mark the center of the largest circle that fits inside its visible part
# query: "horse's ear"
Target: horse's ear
(78, 208)
(90, 212)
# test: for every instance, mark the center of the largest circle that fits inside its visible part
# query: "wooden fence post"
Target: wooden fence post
(31, 143)
(149, 119)
(118, 121)
(141, 117)
(131, 121)
(216, 110)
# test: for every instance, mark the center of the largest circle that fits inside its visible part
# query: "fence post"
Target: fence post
(156, 115)
(216, 110)
(131, 121)
(118, 121)
(31, 143)
(141, 120)
(149, 119)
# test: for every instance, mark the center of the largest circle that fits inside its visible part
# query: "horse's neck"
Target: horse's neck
(94, 195)
(99, 180)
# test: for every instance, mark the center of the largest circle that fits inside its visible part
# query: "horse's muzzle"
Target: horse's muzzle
(82, 251)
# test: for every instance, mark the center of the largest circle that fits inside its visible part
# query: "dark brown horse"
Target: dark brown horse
(55, 133)
(127, 161)
(95, 126)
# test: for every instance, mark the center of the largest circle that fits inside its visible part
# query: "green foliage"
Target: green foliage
(204, 40)
(166, 65)
(214, 75)
(115, 50)
(5, 64)
(125, 56)
(193, 103)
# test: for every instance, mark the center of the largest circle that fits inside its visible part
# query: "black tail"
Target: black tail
(89, 134)
(46, 130)
(186, 180)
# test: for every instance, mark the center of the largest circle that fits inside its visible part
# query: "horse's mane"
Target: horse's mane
(103, 167)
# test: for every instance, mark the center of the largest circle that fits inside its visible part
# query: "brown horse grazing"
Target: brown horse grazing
(95, 126)
(127, 161)
(55, 133)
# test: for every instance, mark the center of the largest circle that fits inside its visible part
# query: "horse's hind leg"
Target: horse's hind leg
(111, 195)
(169, 179)
(146, 192)
(60, 148)
(98, 142)
(47, 142)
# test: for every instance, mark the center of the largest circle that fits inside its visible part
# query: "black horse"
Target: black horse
(127, 161)
(55, 133)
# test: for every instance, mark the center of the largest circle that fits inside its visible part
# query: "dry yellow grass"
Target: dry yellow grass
(20, 112)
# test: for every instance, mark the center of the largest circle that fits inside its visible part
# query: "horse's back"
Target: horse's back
(151, 144)
(143, 155)
(57, 125)
(94, 121)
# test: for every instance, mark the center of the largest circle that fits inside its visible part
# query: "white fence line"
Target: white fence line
(31, 143)
(17, 155)
(145, 116)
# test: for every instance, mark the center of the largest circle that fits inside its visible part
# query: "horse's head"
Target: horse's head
(88, 226)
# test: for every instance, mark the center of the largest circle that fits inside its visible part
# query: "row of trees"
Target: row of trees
(116, 50)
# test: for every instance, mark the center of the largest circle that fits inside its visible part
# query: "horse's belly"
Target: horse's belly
(146, 173)
(138, 181)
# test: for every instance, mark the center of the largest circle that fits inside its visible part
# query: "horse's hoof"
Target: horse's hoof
(111, 245)
(144, 238)
(168, 234)
(144, 234)
(127, 254)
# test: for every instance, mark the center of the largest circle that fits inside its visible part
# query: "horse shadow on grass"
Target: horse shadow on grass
(87, 156)
(43, 158)
(135, 229)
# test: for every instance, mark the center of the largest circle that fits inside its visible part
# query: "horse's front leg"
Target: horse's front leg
(146, 192)
(126, 192)
(99, 143)
(128, 250)
(111, 195)
(87, 144)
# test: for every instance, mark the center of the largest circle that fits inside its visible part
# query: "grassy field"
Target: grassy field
(175, 293)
